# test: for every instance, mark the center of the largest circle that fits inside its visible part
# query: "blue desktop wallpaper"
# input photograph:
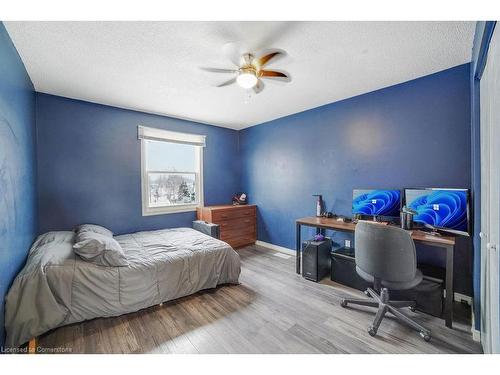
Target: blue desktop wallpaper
(440, 208)
(376, 202)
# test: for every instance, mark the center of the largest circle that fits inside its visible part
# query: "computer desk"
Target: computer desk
(442, 241)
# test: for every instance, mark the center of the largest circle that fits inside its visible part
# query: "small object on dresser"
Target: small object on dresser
(239, 199)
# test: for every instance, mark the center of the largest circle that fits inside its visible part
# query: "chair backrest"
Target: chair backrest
(385, 252)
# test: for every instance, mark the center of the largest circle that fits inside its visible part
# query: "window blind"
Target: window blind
(155, 134)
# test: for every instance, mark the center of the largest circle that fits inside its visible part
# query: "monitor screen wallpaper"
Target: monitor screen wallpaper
(376, 202)
(439, 208)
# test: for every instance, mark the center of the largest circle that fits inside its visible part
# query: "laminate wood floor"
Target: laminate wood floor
(274, 310)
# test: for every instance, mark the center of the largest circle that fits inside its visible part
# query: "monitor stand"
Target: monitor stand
(378, 220)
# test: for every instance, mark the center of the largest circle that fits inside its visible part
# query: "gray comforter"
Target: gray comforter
(56, 287)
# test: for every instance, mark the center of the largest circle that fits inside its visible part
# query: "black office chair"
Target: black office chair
(385, 256)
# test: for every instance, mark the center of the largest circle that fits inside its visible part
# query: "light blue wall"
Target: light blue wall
(89, 165)
(414, 134)
(17, 166)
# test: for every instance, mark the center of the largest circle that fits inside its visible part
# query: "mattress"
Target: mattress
(57, 287)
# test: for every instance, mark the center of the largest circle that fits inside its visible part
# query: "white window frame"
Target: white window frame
(198, 141)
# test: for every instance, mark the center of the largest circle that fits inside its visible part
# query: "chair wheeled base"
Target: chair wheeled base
(384, 305)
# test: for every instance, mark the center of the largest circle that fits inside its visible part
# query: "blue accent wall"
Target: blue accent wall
(414, 134)
(89, 165)
(17, 167)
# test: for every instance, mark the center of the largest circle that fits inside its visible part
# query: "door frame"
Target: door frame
(490, 192)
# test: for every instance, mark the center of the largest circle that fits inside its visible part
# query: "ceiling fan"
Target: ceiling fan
(250, 71)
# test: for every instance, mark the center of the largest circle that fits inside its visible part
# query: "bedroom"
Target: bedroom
(263, 187)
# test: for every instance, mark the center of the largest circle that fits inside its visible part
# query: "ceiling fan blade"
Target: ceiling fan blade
(219, 70)
(227, 83)
(274, 74)
(263, 60)
(259, 86)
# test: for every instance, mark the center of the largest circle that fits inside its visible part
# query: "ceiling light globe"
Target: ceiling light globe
(246, 80)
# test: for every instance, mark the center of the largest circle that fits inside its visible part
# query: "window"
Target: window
(172, 171)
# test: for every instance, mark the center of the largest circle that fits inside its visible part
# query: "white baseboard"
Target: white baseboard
(459, 297)
(476, 335)
(281, 249)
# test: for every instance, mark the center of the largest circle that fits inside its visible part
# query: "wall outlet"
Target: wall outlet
(347, 244)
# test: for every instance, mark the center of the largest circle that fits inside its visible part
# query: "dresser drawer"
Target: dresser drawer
(239, 222)
(232, 213)
(240, 241)
(248, 231)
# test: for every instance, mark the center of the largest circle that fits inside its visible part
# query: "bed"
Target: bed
(57, 287)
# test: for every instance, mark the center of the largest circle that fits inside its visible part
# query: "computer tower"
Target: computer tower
(316, 259)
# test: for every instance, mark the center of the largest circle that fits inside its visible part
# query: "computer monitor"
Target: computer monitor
(376, 202)
(445, 209)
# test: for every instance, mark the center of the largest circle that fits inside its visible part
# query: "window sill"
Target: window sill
(152, 211)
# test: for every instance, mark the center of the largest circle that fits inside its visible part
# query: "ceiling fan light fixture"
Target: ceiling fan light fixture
(250, 72)
(247, 80)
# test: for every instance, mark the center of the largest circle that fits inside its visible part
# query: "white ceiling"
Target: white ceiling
(155, 66)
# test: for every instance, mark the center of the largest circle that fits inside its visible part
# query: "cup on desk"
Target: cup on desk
(406, 217)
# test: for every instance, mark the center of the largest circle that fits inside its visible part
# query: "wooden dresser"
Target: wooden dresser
(238, 224)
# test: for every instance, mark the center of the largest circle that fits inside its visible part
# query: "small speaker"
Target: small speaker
(316, 259)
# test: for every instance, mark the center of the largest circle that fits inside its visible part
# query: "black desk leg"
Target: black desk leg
(448, 305)
(297, 248)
